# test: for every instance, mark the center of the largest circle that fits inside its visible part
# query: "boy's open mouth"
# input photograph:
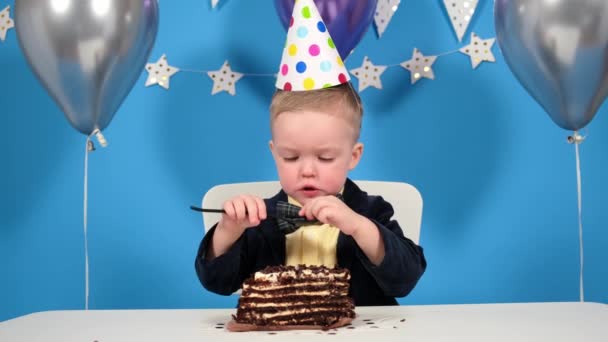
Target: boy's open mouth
(310, 191)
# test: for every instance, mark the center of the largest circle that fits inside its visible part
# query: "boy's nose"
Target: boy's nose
(308, 170)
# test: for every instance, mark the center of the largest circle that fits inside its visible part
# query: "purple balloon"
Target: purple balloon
(346, 20)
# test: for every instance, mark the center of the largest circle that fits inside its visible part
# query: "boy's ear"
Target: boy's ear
(356, 154)
(271, 146)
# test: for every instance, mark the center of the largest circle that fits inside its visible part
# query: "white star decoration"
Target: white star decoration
(460, 13)
(368, 74)
(384, 12)
(214, 3)
(224, 79)
(480, 50)
(6, 23)
(160, 72)
(420, 66)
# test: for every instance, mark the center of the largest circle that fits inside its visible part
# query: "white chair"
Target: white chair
(405, 198)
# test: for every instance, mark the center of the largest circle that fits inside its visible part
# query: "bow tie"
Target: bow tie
(288, 219)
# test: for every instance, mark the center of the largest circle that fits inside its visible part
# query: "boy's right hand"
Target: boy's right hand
(242, 212)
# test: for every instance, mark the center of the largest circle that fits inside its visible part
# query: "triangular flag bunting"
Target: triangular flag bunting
(460, 13)
(384, 13)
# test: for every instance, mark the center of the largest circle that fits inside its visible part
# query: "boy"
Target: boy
(314, 145)
(315, 124)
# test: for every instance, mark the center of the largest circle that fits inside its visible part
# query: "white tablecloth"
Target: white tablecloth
(555, 322)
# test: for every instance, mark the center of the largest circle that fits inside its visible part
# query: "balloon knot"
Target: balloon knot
(100, 138)
(575, 138)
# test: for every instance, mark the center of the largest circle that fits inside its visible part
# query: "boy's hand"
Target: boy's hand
(332, 210)
(242, 211)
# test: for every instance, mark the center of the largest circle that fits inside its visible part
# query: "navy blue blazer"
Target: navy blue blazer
(264, 245)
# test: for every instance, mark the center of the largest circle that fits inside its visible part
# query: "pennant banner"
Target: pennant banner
(460, 13)
(384, 13)
(6, 22)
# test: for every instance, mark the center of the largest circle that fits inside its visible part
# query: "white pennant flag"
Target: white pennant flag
(460, 13)
(6, 23)
(214, 3)
(384, 13)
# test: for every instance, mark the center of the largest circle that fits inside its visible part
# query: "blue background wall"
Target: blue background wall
(497, 176)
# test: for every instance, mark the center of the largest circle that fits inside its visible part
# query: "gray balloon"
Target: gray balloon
(87, 53)
(558, 50)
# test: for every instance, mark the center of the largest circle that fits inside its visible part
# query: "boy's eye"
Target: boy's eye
(326, 159)
(290, 158)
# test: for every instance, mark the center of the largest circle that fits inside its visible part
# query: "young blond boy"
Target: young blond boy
(314, 145)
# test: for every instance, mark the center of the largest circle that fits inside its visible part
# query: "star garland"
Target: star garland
(368, 74)
(480, 50)
(421, 66)
(160, 72)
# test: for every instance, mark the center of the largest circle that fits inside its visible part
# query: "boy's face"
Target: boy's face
(313, 152)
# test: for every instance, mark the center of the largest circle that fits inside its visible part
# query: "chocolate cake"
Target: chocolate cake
(295, 296)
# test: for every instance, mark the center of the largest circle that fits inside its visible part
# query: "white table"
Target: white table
(554, 322)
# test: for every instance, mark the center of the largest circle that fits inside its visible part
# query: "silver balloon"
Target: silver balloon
(558, 49)
(87, 53)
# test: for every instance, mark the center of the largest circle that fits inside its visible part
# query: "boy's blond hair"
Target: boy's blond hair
(343, 98)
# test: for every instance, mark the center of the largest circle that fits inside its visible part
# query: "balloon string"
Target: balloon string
(88, 148)
(580, 222)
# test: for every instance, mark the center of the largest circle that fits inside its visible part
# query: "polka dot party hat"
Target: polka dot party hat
(310, 58)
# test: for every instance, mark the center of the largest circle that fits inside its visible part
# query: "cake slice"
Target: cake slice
(294, 297)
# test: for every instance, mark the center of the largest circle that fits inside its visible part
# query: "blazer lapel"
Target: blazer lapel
(355, 199)
(270, 230)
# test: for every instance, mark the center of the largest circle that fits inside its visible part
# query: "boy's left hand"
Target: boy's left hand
(332, 210)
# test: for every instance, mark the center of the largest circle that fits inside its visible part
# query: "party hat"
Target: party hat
(310, 59)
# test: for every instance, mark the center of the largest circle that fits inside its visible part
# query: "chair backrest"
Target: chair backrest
(405, 198)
